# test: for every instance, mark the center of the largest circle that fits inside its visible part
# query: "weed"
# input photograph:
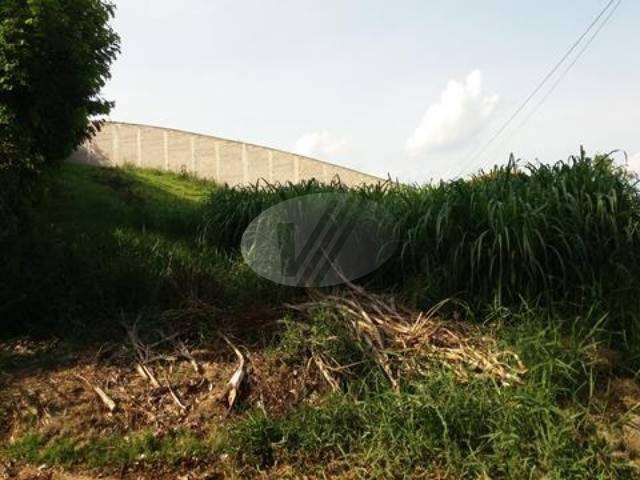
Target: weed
(116, 450)
(547, 256)
(470, 430)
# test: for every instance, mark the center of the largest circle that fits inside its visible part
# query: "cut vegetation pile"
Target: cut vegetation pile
(406, 344)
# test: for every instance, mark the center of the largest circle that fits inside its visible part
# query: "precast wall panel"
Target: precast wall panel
(208, 157)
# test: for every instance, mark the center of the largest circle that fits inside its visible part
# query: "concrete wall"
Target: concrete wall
(225, 161)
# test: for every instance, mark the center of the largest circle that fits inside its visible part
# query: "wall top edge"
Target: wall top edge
(197, 134)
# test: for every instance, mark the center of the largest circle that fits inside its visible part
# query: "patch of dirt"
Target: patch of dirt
(63, 400)
(277, 387)
(56, 393)
(44, 472)
(619, 424)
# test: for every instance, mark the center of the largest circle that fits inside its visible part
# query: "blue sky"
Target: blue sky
(409, 88)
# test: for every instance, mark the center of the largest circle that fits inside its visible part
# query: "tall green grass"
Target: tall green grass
(566, 231)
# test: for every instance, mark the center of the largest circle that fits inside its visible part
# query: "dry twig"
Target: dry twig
(186, 354)
(175, 397)
(143, 353)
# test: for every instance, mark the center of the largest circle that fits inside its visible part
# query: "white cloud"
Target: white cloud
(460, 114)
(322, 145)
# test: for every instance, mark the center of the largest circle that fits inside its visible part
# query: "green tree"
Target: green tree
(55, 57)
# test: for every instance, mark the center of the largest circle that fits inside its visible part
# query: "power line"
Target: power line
(566, 70)
(537, 89)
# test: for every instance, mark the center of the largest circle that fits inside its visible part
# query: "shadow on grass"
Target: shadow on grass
(112, 244)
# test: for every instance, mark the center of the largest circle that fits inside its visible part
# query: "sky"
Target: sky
(413, 89)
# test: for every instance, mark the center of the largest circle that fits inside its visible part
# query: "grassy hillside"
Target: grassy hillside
(115, 242)
(527, 371)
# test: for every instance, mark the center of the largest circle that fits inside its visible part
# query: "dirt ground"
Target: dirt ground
(102, 391)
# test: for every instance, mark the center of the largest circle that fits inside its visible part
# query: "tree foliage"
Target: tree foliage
(55, 57)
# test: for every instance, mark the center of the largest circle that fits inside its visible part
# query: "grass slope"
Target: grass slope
(106, 243)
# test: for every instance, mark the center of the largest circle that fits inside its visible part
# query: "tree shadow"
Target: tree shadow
(108, 247)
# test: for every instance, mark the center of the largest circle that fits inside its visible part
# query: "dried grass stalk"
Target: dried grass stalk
(174, 396)
(404, 342)
(106, 399)
(233, 385)
(324, 370)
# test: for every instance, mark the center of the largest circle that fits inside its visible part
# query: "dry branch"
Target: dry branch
(106, 399)
(148, 374)
(141, 371)
(143, 353)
